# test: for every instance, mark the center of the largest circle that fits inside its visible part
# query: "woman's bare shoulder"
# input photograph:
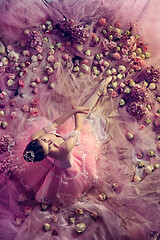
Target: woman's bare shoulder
(37, 134)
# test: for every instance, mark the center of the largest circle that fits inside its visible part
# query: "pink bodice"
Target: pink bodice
(69, 161)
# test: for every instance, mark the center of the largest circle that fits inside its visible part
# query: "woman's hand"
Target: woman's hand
(82, 109)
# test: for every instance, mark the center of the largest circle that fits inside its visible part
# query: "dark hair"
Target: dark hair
(37, 150)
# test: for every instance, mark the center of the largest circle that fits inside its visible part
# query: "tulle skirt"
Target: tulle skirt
(49, 182)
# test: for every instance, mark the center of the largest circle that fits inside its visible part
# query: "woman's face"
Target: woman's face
(45, 145)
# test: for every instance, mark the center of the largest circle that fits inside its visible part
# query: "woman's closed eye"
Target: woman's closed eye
(47, 141)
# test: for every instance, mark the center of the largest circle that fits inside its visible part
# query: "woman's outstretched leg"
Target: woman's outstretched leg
(100, 90)
(91, 101)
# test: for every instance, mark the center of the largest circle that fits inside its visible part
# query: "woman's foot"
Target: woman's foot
(103, 86)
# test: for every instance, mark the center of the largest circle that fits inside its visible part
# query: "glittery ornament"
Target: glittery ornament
(80, 227)
(152, 74)
(25, 108)
(34, 38)
(55, 232)
(102, 197)
(13, 115)
(34, 111)
(5, 141)
(12, 102)
(129, 136)
(1, 113)
(4, 124)
(21, 83)
(5, 61)
(137, 179)
(18, 221)
(94, 215)
(22, 197)
(54, 208)
(34, 101)
(44, 207)
(139, 93)
(46, 227)
(79, 211)
(10, 82)
(102, 21)
(148, 169)
(3, 95)
(72, 220)
(27, 210)
(137, 110)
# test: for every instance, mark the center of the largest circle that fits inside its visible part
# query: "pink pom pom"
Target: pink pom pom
(38, 80)
(21, 83)
(102, 21)
(117, 56)
(65, 57)
(27, 210)
(34, 111)
(3, 95)
(18, 221)
(13, 114)
(12, 102)
(35, 101)
(22, 197)
(25, 108)
(11, 75)
(35, 91)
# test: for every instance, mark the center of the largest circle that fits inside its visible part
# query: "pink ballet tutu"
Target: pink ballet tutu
(49, 182)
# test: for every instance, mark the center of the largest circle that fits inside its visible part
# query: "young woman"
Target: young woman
(61, 156)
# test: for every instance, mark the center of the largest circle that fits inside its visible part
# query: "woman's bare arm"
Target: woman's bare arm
(38, 134)
(63, 118)
(56, 123)
(67, 146)
(63, 151)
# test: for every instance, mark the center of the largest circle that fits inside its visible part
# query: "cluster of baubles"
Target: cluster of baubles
(41, 45)
(54, 210)
(102, 51)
